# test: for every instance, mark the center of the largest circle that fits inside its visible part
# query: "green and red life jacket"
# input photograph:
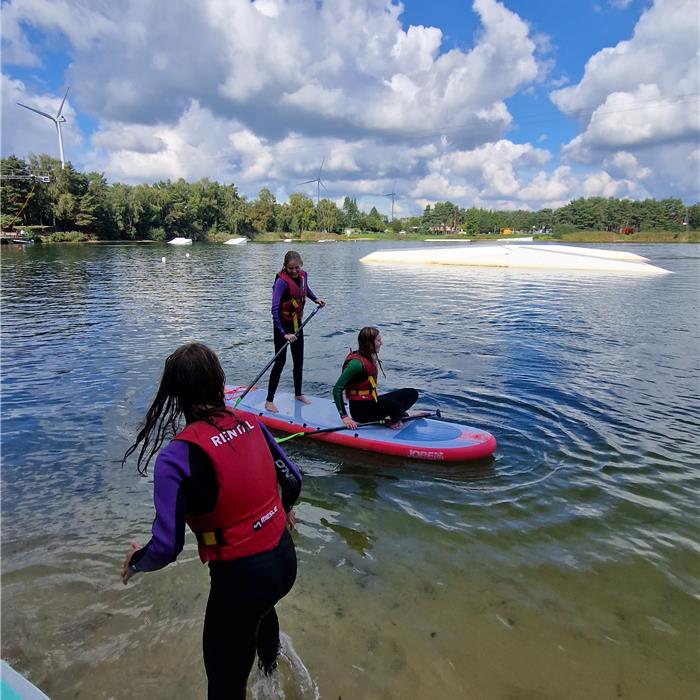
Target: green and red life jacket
(366, 388)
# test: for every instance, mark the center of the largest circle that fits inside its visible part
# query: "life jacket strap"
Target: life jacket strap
(295, 314)
(211, 537)
(365, 392)
(373, 384)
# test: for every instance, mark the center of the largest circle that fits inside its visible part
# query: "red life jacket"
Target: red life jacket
(248, 517)
(292, 309)
(365, 389)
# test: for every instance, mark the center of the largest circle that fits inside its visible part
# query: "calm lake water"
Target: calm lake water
(566, 567)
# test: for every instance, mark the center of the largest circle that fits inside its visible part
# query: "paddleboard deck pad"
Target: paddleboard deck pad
(420, 438)
(14, 686)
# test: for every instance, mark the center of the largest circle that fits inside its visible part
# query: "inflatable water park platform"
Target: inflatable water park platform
(422, 438)
(539, 257)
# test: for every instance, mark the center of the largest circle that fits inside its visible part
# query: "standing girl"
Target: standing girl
(220, 475)
(359, 381)
(289, 294)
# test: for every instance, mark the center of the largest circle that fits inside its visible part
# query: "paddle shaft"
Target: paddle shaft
(337, 428)
(277, 354)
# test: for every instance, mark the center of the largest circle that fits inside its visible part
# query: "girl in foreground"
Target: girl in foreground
(359, 381)
(289, 294)
(220, 476)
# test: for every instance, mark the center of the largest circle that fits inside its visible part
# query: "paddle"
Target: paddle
(384, 421)
(279, 352)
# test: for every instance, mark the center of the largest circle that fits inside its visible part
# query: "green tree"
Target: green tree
(351, 213)
(236, 208)
(283, 217)
(15, 194)
(472, 221)
(328, 216)
(65, 211)
(86, 217)
(375, 221)
(262, 212)
(302, 211)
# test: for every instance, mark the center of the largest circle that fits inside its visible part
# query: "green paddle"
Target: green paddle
(384, 421)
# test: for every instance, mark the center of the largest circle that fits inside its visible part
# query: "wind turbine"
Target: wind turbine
(318, 182)
(57, 120)
(393, 196)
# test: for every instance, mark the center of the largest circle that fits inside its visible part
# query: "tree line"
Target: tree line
(69, 200)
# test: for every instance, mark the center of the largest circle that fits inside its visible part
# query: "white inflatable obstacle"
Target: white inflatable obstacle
(236, 241)
(181, 241)
(538, 257)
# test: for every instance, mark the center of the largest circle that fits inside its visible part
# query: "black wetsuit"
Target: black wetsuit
(280, 293)
(240, 619)
(392, 405)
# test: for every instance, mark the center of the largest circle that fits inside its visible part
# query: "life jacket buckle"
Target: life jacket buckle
(210, 538)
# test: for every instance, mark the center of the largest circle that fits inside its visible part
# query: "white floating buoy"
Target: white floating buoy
(187, 255)
(162, 259)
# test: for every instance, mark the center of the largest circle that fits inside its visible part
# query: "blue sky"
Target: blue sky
(502, 105)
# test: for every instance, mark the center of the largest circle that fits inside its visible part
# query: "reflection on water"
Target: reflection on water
(574, 548)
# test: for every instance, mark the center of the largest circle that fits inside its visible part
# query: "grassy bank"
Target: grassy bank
(612, 237)
(573, 237)
(601, 237)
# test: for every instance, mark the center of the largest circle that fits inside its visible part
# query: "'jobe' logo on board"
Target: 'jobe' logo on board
(426, 454)
(227, 435)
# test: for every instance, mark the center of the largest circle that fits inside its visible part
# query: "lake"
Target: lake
(565, 567)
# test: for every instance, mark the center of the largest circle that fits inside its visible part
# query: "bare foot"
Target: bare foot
(395, 426)
(269, 406)
(303, 399)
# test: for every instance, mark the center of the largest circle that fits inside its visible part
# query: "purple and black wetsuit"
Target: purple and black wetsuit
(240, 617)
(280, 293)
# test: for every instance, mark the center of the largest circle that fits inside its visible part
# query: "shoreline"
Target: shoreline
(597, 237)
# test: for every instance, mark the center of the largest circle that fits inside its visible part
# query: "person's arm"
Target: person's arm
(168, 531)
(288, 474)
(351, 371)
(312, 295)
(277, 292)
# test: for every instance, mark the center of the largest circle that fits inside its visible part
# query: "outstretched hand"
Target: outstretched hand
(349, 423)
(320, 302)
(127, 573)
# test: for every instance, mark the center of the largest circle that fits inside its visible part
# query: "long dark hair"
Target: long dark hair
(366, 346)
(288, 257)
(192, 386)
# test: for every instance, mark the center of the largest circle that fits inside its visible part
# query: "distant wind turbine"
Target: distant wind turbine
(393, 196)
(318, 181)
(57, 120)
